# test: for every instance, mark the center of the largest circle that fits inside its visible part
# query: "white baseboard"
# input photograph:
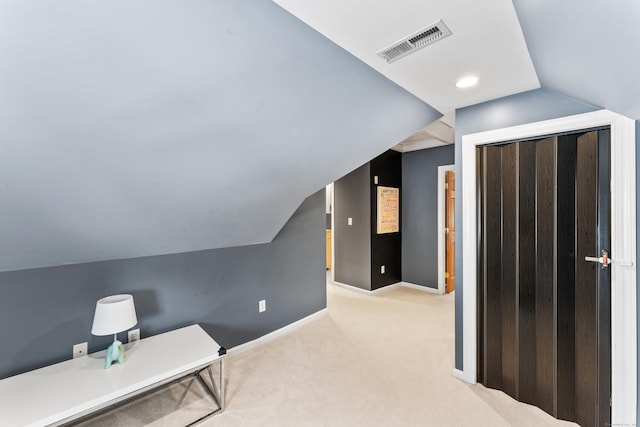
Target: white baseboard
(350, 287)
(387, 288)
(458, 374)
(378, 291)
(277, 333)
(419, 287)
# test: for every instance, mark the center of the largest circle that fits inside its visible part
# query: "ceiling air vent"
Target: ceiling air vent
(415, 41)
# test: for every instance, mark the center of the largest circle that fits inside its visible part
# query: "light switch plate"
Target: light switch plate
(382, 269)
(262, 305)
(349, 221)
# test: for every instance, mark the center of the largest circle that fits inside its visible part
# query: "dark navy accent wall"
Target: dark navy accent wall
(526, 107)
(420, 213)
(352, 243)
(44, 311)
(359, 250)
(386, 249)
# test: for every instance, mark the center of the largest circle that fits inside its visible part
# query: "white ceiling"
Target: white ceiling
(486, 41)
(435, 134)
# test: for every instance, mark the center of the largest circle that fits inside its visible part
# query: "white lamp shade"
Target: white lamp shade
(114, 314)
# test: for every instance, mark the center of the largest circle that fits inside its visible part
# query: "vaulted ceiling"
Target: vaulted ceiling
(152, 127)
(586, 49)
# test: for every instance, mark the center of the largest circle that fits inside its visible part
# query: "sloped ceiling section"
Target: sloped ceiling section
(141, 128)
(586, 49)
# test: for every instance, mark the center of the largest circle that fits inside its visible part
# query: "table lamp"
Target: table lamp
(114, 314)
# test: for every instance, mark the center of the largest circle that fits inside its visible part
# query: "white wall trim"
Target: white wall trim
(333, 233)
(378, 291)
(458, 374)
(387, 288)
(277, 333)
(442, 268)
(420, 288)
(623, 246)
(350, 287)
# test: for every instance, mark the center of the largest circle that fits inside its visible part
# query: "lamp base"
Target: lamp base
(115, 353)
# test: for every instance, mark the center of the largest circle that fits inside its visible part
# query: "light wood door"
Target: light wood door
(450, 229)
(328, 250)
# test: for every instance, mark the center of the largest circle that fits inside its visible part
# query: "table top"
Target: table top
(48, 395)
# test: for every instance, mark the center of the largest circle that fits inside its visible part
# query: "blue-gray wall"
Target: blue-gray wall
(420, 214)
(562, 41)
(126, 126)
(44, 311)
(527, 107)
(352, 243)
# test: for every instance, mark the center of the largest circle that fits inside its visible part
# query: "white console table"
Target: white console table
(60, 393)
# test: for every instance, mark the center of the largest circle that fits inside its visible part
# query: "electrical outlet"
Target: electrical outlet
(262, 305)
(382, 269)
(134, 335)
(80, 350)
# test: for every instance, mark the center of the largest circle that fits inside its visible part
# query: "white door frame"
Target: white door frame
(623, 246)
(442, 268)
(333, 233)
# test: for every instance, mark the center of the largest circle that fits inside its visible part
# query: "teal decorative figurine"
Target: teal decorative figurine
(115, 353)
(114, 314)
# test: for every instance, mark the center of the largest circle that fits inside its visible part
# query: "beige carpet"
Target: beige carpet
(383, 360)
(179, 404)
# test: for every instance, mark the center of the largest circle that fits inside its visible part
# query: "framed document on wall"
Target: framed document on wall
(388, 218)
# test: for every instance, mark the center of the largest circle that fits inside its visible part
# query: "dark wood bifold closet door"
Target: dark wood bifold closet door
(544, 312)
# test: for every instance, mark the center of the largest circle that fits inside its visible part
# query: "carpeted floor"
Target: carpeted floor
(179, 404)
(383, 360)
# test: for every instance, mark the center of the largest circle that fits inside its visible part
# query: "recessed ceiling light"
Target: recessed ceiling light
(467, 82)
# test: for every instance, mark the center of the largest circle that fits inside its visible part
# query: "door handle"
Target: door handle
(605, 260)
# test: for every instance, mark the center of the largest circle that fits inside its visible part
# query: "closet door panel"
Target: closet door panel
(492, 272)
(565, 278)
(509, 261)
(526, 307)
(545, 331)
(586, 278)
(545, 265)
